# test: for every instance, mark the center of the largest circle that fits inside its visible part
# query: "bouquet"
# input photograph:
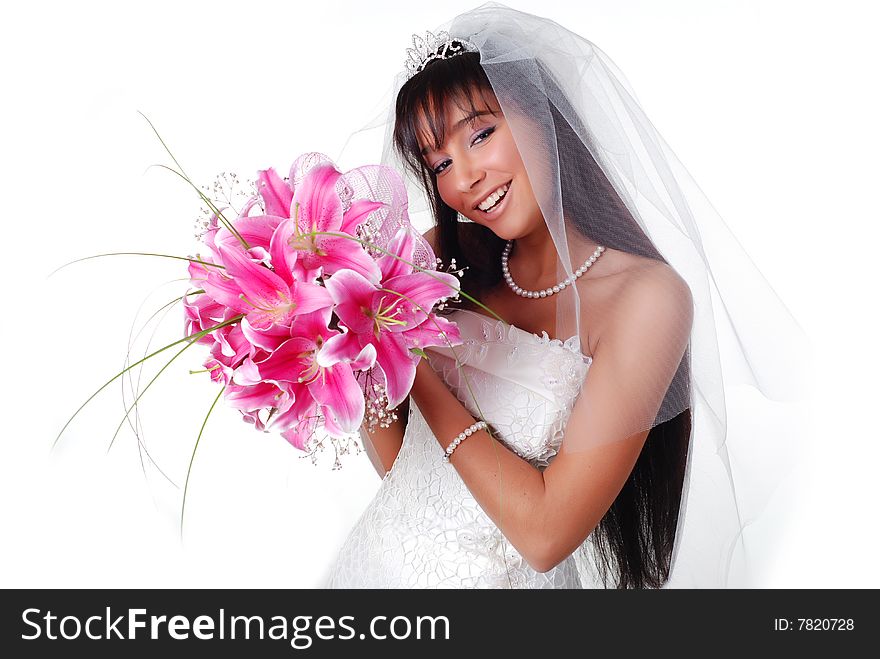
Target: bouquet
(314, 303)
(312, 319)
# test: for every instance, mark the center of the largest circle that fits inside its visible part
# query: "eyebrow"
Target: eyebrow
(461, 122)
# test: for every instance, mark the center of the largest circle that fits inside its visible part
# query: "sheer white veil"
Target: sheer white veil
(572, 111)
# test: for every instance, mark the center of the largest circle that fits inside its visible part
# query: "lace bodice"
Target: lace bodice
(423, 529)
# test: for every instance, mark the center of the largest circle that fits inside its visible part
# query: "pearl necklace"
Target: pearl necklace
(553, 289)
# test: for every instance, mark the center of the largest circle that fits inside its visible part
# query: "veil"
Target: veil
(573, 115)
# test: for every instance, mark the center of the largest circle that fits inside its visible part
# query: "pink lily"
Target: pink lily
(256, 230)
(318, 208)
(200, 313)
(229, 352)
(250, 400)
(391, 317)
(267, 299)
(219, 373)
(301, 421)
(294, 364)
(231, 344)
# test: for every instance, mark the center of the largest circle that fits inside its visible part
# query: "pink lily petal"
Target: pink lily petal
(303, 273)
(304, 163)
(358, 212)
(225, 290)
(319, 205)
(254, 419)
(234, 360)
(287, 362)
(330, 425)
(257, 230)
(309, 297)
(219, 372)
(221, 336)
(247, 373)
(420, 291)
(276, 193)
(342, 253)
(430, 334)
(252, 397)
(300, 434)
(202, 309)
(268, 338)
(401, 245)
(298, 405)
(300, 420)
(340, 347)
(398, 364)
(201, 312)
(352, 294)
(269, 296)
(260, 256)
(314, 326)
(217, 353)
(233, 342)
(250, 203)
(365, 359)
(198, 272)
(283, 256)
(337, 389)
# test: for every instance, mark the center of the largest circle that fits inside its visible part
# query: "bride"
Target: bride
(560, 445)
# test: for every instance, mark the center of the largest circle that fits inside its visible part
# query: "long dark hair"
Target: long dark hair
(635, 538)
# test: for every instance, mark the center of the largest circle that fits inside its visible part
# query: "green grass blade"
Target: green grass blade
(167, 256)
(149, 384)
(192, 338)
(137, 426)
(186, 178)
(193, 457)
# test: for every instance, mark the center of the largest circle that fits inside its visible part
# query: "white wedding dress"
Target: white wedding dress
(423, 529)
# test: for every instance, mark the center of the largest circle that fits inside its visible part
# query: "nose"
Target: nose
(468, 175)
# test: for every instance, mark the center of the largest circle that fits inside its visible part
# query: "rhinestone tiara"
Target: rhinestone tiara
(431, 47)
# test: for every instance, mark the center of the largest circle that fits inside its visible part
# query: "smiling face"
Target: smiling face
(479, 163)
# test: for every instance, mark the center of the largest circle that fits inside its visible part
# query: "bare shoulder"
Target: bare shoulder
(632, 292)
(659, 282)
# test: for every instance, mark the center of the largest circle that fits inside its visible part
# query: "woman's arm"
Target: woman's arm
(547, 515)
(383, 444)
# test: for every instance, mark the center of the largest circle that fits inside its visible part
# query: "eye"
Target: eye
(485, 133)
(481, 136)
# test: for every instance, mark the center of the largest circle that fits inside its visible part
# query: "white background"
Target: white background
(770, 105)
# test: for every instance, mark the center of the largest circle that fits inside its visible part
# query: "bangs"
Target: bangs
(429, 121)
(423, 102)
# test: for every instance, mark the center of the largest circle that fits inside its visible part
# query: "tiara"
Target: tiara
(439, 46)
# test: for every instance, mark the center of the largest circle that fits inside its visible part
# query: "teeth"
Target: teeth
(492, 199)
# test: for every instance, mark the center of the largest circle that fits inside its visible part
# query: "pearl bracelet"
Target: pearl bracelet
(463, 435)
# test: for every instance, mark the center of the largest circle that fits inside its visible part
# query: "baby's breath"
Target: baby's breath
(377, 413)
(452, 269)
(227, 192)
(319, 442)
